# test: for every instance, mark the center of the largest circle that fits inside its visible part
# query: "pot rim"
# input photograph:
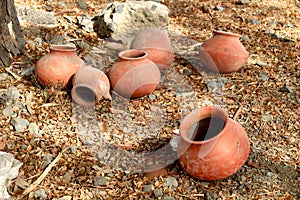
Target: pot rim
(197, 115)
(80, 100)
(68, 48)
(226, 33)
(137, 54)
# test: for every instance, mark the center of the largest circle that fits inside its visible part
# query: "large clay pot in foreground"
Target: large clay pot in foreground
(157, 45)
(223, 52)
(89, 86)
(212, 146)
(58, 67)
(133, 75)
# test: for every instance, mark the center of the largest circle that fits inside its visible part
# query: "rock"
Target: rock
(170, 181)
(120, 20)
(57, 39)
(152, 97)
(47, 160)
(243, 2)
(286, 88)
(65, 198)
(254, 21)
(167, 198)
(262, 77)
(261, 63)
(35, 17)
(245, 38)
(67, 176)
(34, 129)
(8, 111)
(148, 188)
(74, 149)
(158, 193)
(28, 71)
(266, 118)
(219, 8)
(83, 45)
(3, 76)
(216, 84)
(40, 194)
(13, 93)
(81, 4)
(100, 181)
(86, 23)
(20, 124)
(187, 72)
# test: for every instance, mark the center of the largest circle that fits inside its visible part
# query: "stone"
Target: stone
(170, 181)
(152, 97)
(122, 19)
(100, 181)
(148, 188)
(35, 17)
(81, 4)
(254, 21)
(47, 160)
(187, 72)
(214, 85)
(65, 198)
(245, 38)
(243, 2)
(3, 76)
(86, 23)
(20, 124)
(40, 194)
(8, 111)
(261, 63)
(13, 93)
(219, 8)
(34, 129)
(262, 77)
(286, 88)
(158, 193)
(266, 118)
(57, 39)
(167, 198)
(67, 176)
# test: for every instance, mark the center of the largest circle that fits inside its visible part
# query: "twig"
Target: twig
(17, 77)
(237, 112)
(65, 11)
(43, 175)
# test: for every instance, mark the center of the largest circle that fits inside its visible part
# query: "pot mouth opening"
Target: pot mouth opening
(85, 94)
(133, 54)
(205, 129)
(203, 125)
(62, 48)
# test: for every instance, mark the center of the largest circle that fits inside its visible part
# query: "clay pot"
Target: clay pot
(223, 52)
(157, 44)
(58, 67)
(133, 75)
(212, 146)
(89, 86)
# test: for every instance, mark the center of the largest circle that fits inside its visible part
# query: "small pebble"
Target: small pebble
(152, 97)
(100, 181)
(67, 176)
(168, 198)
(187, 72)
(266, 118)
(65, 198)
(3, 76)
(262, 77)
(219, 8)
(286, 88)
(81, 4)
(261, 63)
(254, 21)
(170, 181)
(20, 124)
(40, 194)
(245, 38)
(148, 188)
(8, 111)
(158, 193)
(34, 129)
(243, 2)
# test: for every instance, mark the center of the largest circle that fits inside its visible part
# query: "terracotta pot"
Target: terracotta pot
(89, 86)
(134, 75)
(223, 52)
(58, 67)
(212, 146)
(157, 44)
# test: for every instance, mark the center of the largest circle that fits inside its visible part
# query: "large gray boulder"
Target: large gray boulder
(119, 18)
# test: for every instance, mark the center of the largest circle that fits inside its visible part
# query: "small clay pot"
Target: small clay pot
(157, 44)
(133, 75)
(89, 86)
(212, 146)
(223, 52)
(58, 67)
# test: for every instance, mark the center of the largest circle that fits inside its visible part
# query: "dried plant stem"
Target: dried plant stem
(43, 175)
(237, 112)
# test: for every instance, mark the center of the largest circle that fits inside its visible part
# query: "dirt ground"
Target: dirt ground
(265, 91)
